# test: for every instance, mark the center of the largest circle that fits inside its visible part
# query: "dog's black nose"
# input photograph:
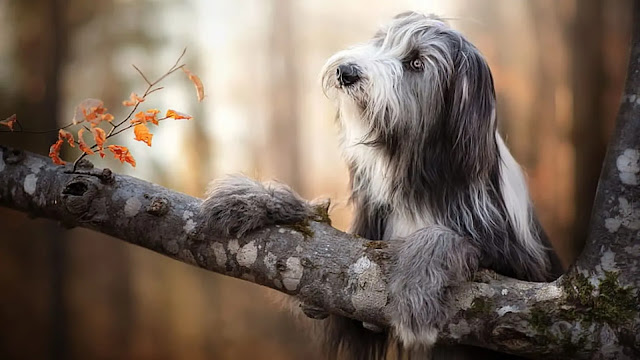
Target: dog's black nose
(347, 74)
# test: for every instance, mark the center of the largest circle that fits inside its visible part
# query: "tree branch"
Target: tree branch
(320, 265)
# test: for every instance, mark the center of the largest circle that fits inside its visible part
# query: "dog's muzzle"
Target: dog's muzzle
(347, 74)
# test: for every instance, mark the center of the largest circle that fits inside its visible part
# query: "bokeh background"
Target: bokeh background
(558, 66)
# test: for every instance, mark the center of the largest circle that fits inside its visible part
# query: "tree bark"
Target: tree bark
(341, 273)
(590, 312)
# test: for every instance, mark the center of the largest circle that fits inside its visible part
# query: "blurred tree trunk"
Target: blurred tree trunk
(592, 87)
(55, 307)
(588, 85)
(58, 46)
(552, 120)
(283, 157)
(35, 253)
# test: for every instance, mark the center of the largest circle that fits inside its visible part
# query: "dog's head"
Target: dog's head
(417, 80)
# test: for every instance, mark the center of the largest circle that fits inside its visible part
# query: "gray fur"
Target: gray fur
(429, 173)
(425, 263)
(236, 204)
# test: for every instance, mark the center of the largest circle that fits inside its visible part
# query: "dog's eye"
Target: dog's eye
(416, 64)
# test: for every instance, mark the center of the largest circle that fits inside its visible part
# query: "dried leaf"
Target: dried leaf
(152, 115)
(107, 117)
(196, 82)
(54, 152)
(89, 110)
(65, 135)
(122, 153)
(142, 133)
(82, 145)
(10, 121)
(177, 115)
(134, 100)
(99, 136)
(143, 117)
(139, 118)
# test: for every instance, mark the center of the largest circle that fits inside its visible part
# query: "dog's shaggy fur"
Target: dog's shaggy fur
(429, 173)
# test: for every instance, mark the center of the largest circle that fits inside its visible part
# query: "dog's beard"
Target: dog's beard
(390, 100)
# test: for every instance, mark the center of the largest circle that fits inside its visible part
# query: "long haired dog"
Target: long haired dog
(429, 173)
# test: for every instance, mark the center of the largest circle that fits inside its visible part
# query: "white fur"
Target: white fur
(516, 199)
(410, 338)
(354, 133)
(404, 222)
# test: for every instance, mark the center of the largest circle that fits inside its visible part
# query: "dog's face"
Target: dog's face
(416, 80)
(408, 50)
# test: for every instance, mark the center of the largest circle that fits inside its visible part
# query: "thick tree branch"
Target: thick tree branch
(317, 263)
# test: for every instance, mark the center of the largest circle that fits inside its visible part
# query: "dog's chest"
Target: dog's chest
(373, 177)
(370, 168)
(402, 223)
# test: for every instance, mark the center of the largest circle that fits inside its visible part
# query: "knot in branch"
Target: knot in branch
(78, 194)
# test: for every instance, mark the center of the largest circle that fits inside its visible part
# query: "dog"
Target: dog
(429, 173)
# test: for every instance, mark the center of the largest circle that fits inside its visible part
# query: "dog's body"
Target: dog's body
(429, 173)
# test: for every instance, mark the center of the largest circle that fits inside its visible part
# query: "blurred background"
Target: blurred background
(558, 67)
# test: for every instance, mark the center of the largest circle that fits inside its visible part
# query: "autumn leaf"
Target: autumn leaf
(122, 153)
(151, 115)
(134, 100)
(82, 145)
(176, 115)
(54, 152)
(10, 121)
(142, 133)
(143, 117)
(96, 115)
(99, 136)
(196, 82)
(139, 118)
(65, 135)
(107, 117)
(90, 110)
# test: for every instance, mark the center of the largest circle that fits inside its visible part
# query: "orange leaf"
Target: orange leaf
(122, 153)
(10, 121)
(54, 152)
(196, 82)
(82, 145)
(90, 110)
(177, 115)
(139, 118)
(99, 136)
(134, 100)
(151, 115)
(107, 117)
(142, 133)
(65, 135)
(143, 117)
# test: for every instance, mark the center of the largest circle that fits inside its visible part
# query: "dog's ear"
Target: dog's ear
(469, 110)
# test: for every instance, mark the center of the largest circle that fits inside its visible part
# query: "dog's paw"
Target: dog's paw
(415, 319)
(235, 205)
(417, 309)
(410, 337)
